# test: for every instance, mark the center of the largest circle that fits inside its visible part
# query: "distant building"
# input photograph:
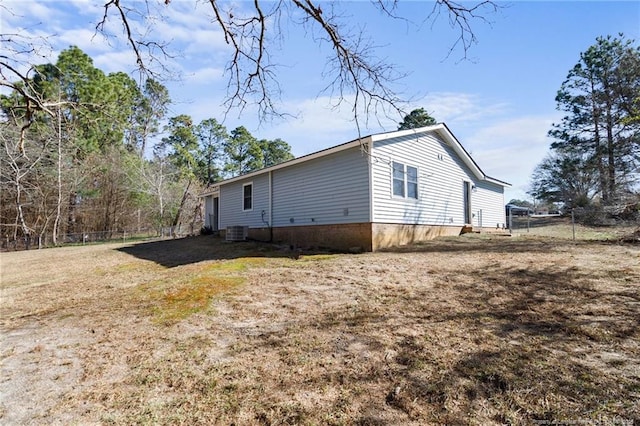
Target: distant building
(518, 210)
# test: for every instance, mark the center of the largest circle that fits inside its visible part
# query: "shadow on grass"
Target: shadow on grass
(189, 250)
(483, 244)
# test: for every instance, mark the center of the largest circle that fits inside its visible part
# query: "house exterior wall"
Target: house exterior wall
(231, 207)
(441, 178)
(353, 237)
(386, 235)
(440, 182)
(487, 205)
(324, 191)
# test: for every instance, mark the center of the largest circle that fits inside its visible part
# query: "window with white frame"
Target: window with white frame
(405, 181)
(247, 196)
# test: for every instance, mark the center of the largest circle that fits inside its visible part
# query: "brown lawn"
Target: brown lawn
(468, 330)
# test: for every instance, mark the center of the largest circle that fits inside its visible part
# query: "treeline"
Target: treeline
(100, 156)
(594, 162)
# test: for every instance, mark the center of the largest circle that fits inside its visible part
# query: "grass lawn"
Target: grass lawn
(468, 330)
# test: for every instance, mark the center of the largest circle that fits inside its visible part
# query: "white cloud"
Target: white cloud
(85, 39)
(186, 25)
(204, 75)
(510, 149)
(122, 61)
(318, 124)
(32, 11)
(456, 108)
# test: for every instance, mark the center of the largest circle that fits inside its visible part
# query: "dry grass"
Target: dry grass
(562, 227)
(470, 330)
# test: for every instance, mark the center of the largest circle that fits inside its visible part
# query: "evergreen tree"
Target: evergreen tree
(183, 153)
(275, 152)
(243, 153)
(599, 131)
(151, 107)
(417, 118)
(212, 137)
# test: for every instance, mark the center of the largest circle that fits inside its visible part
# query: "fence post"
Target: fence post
(573, 225)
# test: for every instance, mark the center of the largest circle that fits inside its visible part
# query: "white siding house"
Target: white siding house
(382, 190)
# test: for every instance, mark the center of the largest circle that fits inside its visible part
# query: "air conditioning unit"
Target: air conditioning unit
(237, 233)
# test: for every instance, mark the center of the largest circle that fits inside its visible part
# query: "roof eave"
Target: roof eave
(331, 150)
(498, 181)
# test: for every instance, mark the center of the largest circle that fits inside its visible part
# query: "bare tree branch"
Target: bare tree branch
(356, 70)
(251, 75)
(355, 74)
(460, 18)
(32, 101)
(144, 59)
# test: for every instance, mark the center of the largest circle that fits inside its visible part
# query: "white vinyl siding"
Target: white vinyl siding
(328, 190)
(352, 186)
(232, 212)
(440, 196)
(333, 189)
(487, 205)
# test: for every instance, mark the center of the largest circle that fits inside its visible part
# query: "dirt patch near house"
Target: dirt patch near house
(469, 330)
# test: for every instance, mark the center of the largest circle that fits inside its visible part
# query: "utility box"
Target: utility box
(237, 233)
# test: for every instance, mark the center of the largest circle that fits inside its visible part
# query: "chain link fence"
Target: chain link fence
(83, 238)
(571, 226)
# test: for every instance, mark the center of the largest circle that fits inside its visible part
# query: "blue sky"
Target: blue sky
(499, 102)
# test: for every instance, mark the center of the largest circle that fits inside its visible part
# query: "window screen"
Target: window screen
(398, 179)
(247, 198)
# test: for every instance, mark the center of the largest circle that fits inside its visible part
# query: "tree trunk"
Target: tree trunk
(183, 201)
(197, 214)
(107, 225)
(56, 222)
(26, 232)
(598, 146)
(71, 218)
(611, 166)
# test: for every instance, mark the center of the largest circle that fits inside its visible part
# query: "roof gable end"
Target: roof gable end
(443, 131)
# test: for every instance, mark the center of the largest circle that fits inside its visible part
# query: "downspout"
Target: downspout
(269, 217)
(270, 206)
(370, 162)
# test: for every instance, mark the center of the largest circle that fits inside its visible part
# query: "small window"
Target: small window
(247, 196)
(412, 182)
(398, 179)
(405, 181)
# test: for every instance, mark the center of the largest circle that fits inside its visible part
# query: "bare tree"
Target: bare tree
(353, 68)
(354, 71)
(17, 68)
(16, 171)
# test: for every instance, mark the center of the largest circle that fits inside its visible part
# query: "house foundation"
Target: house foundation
(353, 236)
(390, 235)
